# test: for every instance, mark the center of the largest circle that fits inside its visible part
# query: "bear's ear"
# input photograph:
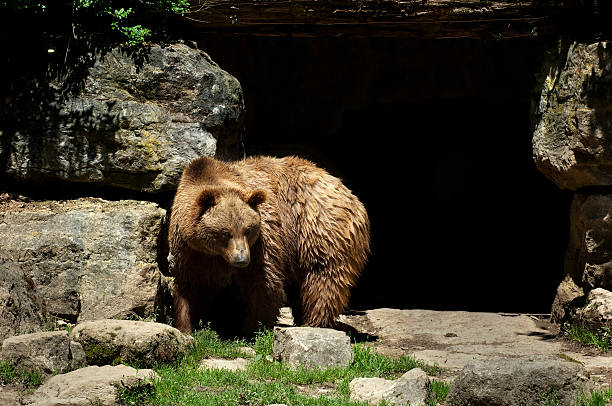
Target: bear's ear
(256, 198)
(205, 200)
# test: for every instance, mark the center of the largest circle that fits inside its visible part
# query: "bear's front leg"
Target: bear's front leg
(182, 312)
(263, 298)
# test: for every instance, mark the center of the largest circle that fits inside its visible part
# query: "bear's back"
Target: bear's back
(323, 216)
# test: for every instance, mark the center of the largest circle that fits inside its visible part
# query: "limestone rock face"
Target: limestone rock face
(48, 352)
(588, 262)
(569, 296)
(112, 341)
(572, 141)
(88, 258)
(137, 122)
(89, 386)
(517, 381)
(312, 347)
(21, 308)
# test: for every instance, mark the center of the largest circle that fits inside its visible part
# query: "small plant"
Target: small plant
(601, 338)
(139, 394)
(368, 362)
(111, 15)
(209, 344)
(9, 374)
(550, 398)
(263, 342)
(440, 390)
(595, 398)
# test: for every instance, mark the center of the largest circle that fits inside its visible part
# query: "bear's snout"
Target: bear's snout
(237, 253)
(241, 259)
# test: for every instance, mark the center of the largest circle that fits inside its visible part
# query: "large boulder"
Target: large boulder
(116, 341)
(571, 143)
(92, 385)
(528, 380)
(89, 258)
(22, 310)
(48, 352)
(138, 120)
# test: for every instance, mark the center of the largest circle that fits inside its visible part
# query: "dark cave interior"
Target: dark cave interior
(434, 136)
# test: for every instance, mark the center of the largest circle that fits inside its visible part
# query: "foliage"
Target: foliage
(595, 398)
(208, 344)
(264, 342)
(50, 45)
(136, 395)
(601, 338)
(368, 362)
(118, 16)
(9, 374)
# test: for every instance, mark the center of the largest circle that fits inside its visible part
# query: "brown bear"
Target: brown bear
(279, 230)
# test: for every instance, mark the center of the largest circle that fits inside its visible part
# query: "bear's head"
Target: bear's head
(227, 223)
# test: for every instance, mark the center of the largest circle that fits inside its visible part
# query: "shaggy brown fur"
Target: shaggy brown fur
(276, 228)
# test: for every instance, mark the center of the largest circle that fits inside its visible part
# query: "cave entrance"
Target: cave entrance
(434, 136)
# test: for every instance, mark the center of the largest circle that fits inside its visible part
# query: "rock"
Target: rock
(11, 395)
(370, 390)
(248, 351)
(452, 339)
(285, 317)
(89, 258)
(413, 388)
(114, 341)
(48, 352)
(598, 309)
(568, 297)
(137, 122)
(572, 138)
(588, 261)
(22, 310)
(238, 364)
(312, 347)
(88, 386)
(518, 381)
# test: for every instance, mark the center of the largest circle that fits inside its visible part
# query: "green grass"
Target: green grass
(595, 398)
(265, 381)
(601, 338)
(9, 374)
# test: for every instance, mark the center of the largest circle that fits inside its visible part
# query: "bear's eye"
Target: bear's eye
(248, 231)
(226, 235)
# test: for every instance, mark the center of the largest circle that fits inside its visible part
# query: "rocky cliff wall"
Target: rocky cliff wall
(130, 127)
(572, 146)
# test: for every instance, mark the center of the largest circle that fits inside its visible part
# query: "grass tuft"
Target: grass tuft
(9, 374)
(594, 398)
(601, 338)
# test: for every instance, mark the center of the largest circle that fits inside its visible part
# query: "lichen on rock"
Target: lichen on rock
(571, 142)
(135, 124)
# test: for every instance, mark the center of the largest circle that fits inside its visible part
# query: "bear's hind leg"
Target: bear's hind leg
(323, 298)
